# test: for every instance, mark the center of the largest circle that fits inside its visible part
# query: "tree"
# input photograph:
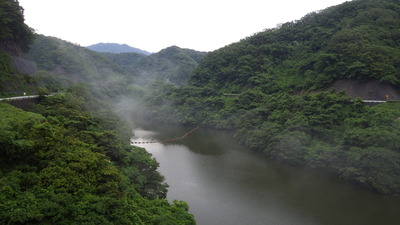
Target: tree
(13, 29)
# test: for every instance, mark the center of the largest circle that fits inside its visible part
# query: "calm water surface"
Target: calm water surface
(224, 183)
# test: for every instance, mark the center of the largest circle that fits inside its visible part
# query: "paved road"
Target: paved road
(20, 97)
(26, 97)
(374, 101)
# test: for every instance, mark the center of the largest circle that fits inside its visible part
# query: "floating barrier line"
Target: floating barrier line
(168, 140)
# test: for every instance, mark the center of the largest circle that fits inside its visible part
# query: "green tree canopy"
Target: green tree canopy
(12, 26)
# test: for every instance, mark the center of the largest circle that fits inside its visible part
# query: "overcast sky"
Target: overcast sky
(153, 25)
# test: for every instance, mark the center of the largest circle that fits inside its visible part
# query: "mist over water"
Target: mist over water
(224, 183)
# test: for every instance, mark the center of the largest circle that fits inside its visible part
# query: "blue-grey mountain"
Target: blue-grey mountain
(116, 48)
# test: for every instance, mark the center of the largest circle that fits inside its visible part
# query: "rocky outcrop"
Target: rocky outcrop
(372, 89)
(19, 60)
(23, 65)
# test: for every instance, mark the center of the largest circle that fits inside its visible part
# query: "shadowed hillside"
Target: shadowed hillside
(74, 62)
(171, 65)
(69, 159)
(78, 64)
(372, 89)
(275, 90)
(15, 38)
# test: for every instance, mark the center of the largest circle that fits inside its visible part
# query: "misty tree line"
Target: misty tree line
(283, 107)
(68, 159)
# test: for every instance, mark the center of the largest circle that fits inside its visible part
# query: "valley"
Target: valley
(291, 98)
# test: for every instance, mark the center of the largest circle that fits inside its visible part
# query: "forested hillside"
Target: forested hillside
(171, 65)
(69, 162)
(76, 63)
(273, 89)
(15, 38)
(68, 158)
(122, 73)
(356, 40)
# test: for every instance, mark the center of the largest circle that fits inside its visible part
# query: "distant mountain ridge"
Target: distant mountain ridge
(79, 64)
(116, 48)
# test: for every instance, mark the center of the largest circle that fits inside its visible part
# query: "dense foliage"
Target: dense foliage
(76, 63)
(13, 29)
(171, 65)
(357, 40)
(126, 61)
(15, 38)
(80, 64)
(270, 89)
(70, 162)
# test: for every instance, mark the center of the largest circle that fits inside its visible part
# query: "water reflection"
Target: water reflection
(226, 184)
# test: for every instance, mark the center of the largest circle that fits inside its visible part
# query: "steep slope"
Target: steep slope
(13, 29)
(368, 90)
(356, 40)
(127, 61)
(63, 63)
(15, 38)
(70, 160)
(171, 65)
(75, 62)
(78, 64)
(273, 89)
(69, 164)
(116, 48)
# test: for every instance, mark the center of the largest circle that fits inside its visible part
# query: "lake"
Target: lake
(225, 183)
